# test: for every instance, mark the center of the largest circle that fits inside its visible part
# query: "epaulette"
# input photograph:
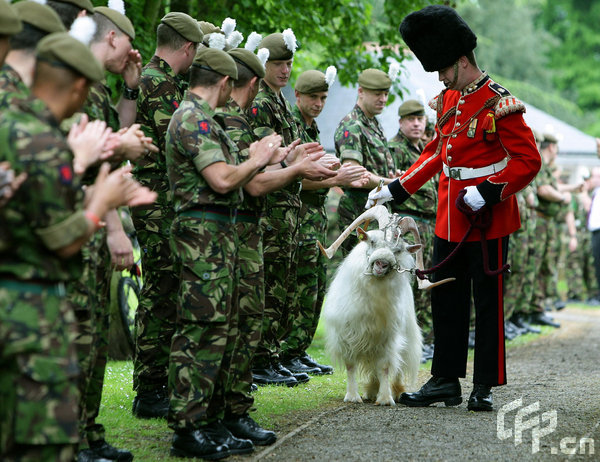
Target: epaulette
(497, 88)
(508, 105)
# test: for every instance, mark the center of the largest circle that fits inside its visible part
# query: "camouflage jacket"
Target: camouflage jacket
(12, 87)
(233, 120)
(361, 139)
(309, 134)
(424, 202)
(545, 176)
(194, 141)
(99, 106)
(160, 95)
(271, 113)
(46, 212)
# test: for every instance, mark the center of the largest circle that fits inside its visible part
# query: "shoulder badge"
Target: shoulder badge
(175, 104)
(497, 88)
(508, 105)
(65, 173)
(254, 111)
(346, 133)
(204, 127)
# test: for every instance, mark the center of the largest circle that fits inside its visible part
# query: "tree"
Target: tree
(329, 33)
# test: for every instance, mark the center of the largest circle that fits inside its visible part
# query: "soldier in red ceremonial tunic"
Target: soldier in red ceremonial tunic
(485, 153)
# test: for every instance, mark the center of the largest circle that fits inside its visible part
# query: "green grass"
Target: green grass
(276, 407)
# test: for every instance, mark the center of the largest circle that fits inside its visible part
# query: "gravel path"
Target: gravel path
(557, 376)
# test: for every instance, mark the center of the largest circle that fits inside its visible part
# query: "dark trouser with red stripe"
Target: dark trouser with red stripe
(451, 307)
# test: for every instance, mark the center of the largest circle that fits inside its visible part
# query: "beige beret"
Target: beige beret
(278, 51)
(185, 25)
(41, 16)
(311, 82)
(216, 60)
(60, 47)
(411, 107)
(374, 79)
(83, 4)
(249, 59)
(118, 19)
(9, 21)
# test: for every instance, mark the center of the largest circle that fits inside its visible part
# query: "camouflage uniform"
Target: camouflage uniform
(422, 206)
(12, 88)
(579, 271)
(89, 294)
(520, 282)
(312, 266)
(361, 139)
(250, 272)
(545, 234)
(205, 245)
(271, 113)
(160, 94)
(39, 402)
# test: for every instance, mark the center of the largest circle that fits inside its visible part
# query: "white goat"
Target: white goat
(369, 313)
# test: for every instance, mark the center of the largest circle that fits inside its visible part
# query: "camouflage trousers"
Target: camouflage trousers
(251, 304)
(310, 284)
(39, 398)
(279, 244)
(579, 271)
(544, 263)
(156, 312)
(426, 229)
(89, 298)
(521, 281)
(205, 335)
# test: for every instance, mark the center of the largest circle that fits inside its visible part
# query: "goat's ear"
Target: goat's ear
(361, 234)
(413, 248)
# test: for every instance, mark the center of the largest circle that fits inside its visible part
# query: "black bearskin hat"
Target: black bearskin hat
(437, 36)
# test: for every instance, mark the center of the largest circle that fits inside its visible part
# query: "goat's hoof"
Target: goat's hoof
(385, 402)
(352, 398)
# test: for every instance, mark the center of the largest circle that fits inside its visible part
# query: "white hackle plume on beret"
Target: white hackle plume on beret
(263, 55)
(216, 40)
(253, 41)
(290, 40)
(330, 74)
(83, 29)
(394, 70)
(41, 2)
(234, 39)
(228, 26)
(117, 5)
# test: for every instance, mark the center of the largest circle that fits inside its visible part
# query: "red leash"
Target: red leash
(481, 220)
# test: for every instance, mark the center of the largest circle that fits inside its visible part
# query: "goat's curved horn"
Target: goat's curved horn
(408, 225)
(378, 212)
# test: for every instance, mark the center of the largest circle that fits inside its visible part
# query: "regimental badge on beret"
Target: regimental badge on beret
(437, 36)
(203, 127)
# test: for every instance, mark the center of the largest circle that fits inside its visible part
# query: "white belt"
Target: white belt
(467, 173)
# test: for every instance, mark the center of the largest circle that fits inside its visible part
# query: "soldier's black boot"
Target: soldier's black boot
(300, 377)
(309, 361)
(269, 376)
(195, 443)
(219, 433)
(88, 455)
(244, 426)
(436, 390)
(481, 398)
(296, 366)
(152, 404)
(103, 449)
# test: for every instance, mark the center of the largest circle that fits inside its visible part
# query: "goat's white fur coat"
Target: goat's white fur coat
(370, 321)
